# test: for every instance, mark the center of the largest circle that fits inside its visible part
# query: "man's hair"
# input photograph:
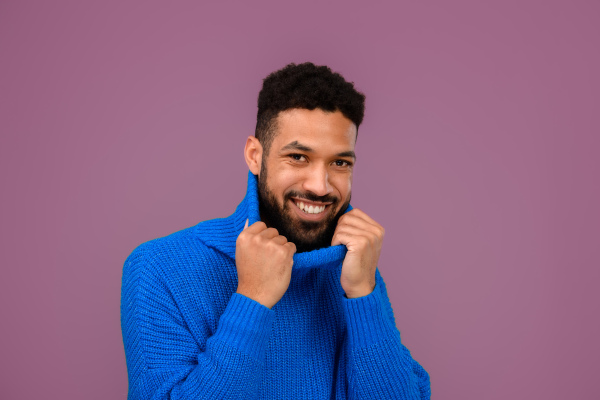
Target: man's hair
(304, 86)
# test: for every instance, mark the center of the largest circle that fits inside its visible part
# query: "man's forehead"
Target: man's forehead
(298, 128)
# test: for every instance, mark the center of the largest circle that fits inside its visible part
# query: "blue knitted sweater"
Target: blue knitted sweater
(188, 335)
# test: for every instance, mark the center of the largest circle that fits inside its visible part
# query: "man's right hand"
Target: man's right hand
(263, 259)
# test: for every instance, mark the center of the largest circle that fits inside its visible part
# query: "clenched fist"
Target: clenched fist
(263, 259)
(363, 238)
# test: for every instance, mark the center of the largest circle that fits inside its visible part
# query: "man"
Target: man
(282, 299)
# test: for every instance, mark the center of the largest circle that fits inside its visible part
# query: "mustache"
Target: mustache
(312, 197)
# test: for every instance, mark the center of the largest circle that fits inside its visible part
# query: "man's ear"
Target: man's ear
(253, 153)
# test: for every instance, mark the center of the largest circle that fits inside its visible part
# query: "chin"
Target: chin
(312, 237)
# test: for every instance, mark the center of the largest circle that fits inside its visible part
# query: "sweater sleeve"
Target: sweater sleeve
(380, 366)
(164, 359)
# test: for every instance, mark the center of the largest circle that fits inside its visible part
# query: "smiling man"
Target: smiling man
(311, 162)
(283, 299)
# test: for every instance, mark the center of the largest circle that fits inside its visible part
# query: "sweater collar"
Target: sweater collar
(222, 233)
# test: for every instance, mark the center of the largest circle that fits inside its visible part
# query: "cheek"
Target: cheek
(282, 181)
(344, 186)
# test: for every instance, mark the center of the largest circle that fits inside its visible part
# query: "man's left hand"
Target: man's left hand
(363, 238)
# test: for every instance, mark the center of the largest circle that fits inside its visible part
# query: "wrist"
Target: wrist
(259, 299)
(359, 292)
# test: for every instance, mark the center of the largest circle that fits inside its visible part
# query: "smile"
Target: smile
(310, 210)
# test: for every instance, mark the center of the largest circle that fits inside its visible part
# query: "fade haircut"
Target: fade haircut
(304, 86)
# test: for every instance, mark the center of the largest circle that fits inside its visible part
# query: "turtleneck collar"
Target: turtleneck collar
(222, 233)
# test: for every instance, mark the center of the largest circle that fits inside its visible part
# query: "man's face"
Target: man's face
(305, 180)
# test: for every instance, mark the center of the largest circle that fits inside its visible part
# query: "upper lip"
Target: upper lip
(308, 202)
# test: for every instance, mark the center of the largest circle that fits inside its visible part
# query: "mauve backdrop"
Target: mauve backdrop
(125, 121)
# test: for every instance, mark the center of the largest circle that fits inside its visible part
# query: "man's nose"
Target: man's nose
(317, 181)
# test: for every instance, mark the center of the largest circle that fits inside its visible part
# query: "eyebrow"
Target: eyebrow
(298, 146)
(348, 153)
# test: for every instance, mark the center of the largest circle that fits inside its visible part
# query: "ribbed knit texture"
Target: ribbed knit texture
(188, 335)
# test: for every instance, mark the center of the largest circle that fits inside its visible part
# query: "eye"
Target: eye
(342, 163)
(297, 157)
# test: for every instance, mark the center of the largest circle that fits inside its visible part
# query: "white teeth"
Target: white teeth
(310, 209)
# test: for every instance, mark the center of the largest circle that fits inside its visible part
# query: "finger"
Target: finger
(291, 245)
(344, 238)
(280, 240)
(269, 233)
(246, 225)
(355, 241)
(360, 223)
(256, 227)
(355, 231)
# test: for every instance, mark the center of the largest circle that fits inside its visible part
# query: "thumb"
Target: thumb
(245, 226)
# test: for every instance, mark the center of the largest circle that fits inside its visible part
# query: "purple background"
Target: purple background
(124, 122)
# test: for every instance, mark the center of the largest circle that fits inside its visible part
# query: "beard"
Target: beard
(306, 235)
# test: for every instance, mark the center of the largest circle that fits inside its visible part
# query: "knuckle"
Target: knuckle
(365, 241)
(275, 246)
(242, 239)
(281, 252)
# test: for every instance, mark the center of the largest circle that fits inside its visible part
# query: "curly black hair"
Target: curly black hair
(304, 86)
